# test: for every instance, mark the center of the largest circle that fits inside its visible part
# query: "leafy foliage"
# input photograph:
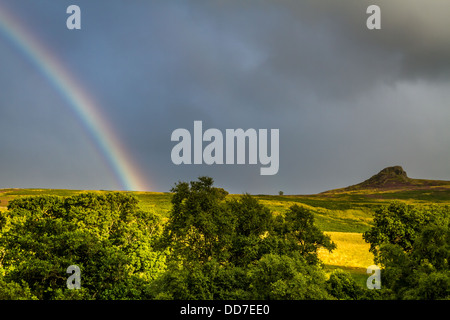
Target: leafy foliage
(15, 291)
(105, 235)
(342, 286)
(284, 277)
(399, 224)
(412, 243)
(224, 248)
(210, 245)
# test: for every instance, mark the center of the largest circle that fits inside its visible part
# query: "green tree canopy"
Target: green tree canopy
(412, 245)
(219, 247)
(398, 223)
(106, 235)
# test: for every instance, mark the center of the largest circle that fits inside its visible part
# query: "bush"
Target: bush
(342, 286)
(280, 277)
(106, 235)
(14, 291)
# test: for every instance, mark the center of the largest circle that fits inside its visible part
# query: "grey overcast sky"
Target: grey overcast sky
(348, 101)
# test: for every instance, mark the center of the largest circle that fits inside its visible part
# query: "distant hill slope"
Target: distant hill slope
(392, 178)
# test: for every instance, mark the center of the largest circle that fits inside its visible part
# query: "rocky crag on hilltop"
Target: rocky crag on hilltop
(389, 177)
(392, 178)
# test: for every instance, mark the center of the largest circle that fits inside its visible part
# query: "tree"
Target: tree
(15, 291)
(220, 248)
(253, 233)
(398, 223)
(301, 235)
(281, 277)
(198, 223)
(342, 286)
(422, 273)
(412, 245)
(106, 235)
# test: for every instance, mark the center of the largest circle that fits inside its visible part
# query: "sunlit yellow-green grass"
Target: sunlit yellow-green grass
(345, 220)
(344, 216)
(352, 251)
(351, 254)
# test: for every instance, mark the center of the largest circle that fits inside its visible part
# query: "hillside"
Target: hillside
(344, 214)
(393, 179)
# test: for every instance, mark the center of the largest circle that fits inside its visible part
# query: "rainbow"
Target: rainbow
(79, 101)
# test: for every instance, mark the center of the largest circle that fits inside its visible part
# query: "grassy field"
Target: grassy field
(344, 216)
(352, 254)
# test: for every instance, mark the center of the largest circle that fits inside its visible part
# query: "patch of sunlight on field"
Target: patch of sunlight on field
(4, 200)
(278, 207)
(351, 251)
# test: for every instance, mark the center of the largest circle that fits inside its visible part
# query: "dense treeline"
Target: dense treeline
(211, 247)
(412, 244)
(105, 235)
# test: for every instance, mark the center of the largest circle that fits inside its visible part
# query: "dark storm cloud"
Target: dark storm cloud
(269, 53)
(413, 31)
(315, 71)
(347, 100)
